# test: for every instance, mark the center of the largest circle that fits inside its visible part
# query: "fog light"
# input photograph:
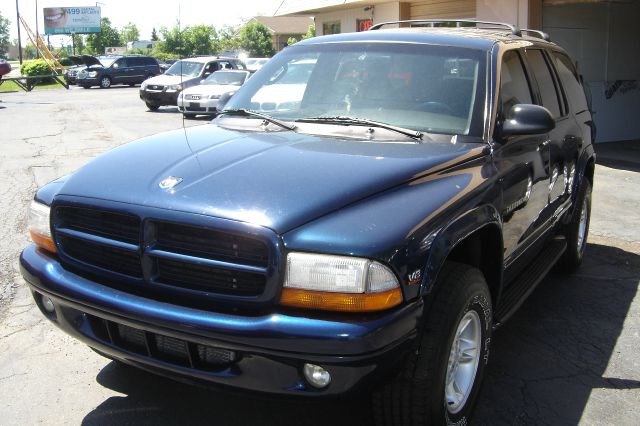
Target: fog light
(317, 376)
(47, 304)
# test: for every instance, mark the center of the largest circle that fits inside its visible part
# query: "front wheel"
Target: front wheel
(105, 82)
(439, 383)
(152, 107)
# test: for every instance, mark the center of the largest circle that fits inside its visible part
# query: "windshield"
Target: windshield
(435, 89)
(185, 68)
(226, 77)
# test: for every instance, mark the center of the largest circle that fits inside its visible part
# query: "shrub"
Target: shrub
(35, 67)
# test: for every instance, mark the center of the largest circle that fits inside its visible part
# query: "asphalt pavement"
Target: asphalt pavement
(571, 355)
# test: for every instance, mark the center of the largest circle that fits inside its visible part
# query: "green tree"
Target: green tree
(228, 38)
(172, 41)
(154, 35)
(200, 40)
(108, 37)
(129, 33)
(255, 38)
(311, 32)
(4, 36)
(78, 42)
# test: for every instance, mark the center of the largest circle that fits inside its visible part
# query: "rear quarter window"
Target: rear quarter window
(570, 82)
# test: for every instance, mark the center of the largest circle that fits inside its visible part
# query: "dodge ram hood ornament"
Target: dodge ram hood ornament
(169, 182)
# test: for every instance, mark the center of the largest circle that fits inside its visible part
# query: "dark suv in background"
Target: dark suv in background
(360, 216)
(106, 71)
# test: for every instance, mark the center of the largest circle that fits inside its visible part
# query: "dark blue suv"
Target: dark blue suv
(361, 215)
(105, 71)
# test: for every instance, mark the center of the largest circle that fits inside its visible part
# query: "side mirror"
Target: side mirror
(224, 99)
(527, 119)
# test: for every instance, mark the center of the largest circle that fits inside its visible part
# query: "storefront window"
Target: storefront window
(332, 27)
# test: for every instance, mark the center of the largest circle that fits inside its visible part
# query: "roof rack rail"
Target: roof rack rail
(514, 30)
(538, 33)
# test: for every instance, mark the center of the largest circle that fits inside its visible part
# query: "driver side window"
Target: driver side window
(514, 86)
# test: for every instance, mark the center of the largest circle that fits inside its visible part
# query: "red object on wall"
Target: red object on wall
(364, 24)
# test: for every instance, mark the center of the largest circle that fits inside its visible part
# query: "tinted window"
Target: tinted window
(514, 87)
(120, 63)
(569, 78)
(546, 85)
(134, 62)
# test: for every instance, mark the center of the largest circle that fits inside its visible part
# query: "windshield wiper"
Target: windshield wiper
(345, 120)
(265, 117)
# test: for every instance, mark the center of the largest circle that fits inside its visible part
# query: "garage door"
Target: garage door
(442, 9)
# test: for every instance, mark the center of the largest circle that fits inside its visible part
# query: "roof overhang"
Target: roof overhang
(313, 7)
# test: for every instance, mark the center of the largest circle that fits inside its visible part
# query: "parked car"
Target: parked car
(71, 73)
(164, 89)
(203, 98)
(5, 67)
(254, 64)
(365, 237)
(105, 71)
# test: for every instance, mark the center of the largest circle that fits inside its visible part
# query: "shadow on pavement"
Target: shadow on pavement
(545, 362)
(623, 155)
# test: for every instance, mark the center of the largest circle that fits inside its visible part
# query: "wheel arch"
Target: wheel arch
(474, 239)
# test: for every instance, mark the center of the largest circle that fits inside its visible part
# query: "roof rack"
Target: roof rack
(514, 30)
(538, 33)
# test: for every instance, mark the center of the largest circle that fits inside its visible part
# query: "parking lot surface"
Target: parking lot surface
(571, 355)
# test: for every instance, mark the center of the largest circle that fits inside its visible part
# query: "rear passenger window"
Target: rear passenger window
(569, 78)
(514, 87)
(546, 85)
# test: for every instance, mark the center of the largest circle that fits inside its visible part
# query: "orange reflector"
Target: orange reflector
(342, 302)
(42, 241)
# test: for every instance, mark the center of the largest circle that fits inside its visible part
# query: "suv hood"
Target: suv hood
(89, 60)
(276, 179)
(76, 60)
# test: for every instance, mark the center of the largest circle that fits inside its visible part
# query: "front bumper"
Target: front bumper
(201, 106)
(270, 349)
(158, 97)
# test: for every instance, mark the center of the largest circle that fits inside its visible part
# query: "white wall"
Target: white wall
(510, 11)
(381, 13)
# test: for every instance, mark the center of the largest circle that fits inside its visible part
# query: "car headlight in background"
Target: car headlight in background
(214, 96)
(339, 283)
(92, 73)
(174, 87)
(40, 227)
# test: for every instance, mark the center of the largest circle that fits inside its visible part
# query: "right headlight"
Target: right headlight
(174, 87)
(92, 73)
(339, 283)
(40, 227)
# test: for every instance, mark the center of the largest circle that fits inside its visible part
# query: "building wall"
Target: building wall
(509, 11)
(601, 38)
(348, 17)
(438, 9)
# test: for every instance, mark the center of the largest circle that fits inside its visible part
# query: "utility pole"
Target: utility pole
(37, 33)
(19, 40)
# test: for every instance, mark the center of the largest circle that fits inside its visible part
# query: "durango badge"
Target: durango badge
(169, 182)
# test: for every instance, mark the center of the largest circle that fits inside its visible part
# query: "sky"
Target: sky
(146, 14)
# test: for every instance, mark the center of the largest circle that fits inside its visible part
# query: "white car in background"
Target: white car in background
(203, 98)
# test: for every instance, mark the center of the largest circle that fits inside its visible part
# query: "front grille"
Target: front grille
(115, 226)
(209, 279)
(210, 244)
(110, 258)
(193, 97)
(161, 347)
(191, 263)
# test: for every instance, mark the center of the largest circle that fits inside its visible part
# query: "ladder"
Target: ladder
(57, 68)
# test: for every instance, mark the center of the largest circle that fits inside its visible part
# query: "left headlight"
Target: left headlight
(214, 96)
(92, 73)
(40, 227)
(339, 283)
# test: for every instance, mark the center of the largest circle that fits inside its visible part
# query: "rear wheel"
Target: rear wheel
(577, 230)
(152, 107)
(440, 381)
(105, 82)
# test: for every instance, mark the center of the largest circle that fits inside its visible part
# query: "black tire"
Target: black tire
(86, 86)
(417, 395)
(189, 116)
(132, 84)
(105, 82)
(576, 245)
(152, 107)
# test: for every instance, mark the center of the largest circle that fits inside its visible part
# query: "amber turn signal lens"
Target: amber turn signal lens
(340, 302)
(43, 241)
